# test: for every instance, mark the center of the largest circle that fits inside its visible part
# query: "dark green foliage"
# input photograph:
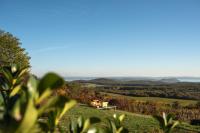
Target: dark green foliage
(11, 51)
(30, 101)
(11, 80)
(179, 90)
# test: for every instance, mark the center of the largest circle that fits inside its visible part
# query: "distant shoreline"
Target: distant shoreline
(181, 79)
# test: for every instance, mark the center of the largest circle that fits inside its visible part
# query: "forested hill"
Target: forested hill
(168, 88)
(110, 81)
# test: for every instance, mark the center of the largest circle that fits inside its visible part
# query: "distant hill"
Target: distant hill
(136, 79)
(169, 80)
(110, 81)
(99, 81)
(105, 81)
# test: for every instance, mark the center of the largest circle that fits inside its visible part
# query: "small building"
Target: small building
(99, 104)
(96, 103)
(102, 105)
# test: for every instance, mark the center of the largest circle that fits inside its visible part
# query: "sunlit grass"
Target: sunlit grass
(134, 122)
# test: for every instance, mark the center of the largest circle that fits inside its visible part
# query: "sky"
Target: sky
(107, 37)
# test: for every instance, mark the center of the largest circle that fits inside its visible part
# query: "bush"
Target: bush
(27, 102)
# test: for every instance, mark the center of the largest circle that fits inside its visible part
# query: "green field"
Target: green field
(155, 99)
(133, 122)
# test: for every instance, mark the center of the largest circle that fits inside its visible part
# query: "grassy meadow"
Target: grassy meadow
(135, 123)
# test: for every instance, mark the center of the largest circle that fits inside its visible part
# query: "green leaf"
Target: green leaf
(115, 116)
(68, 105)
(113, 127)
(59, 103)
(44, 95)
(86, 125)
(13, 68)
(165, 119)
(176, 123)
(29, 118)
(73, 127)
(93, 130)
(80, 122)
(15, 90)
(15, 112)
(120, 130)
(48, 106)
(32, 86)
(89, 122)
(47, 84)
(121, 117)
(22, 72)
(50, 81)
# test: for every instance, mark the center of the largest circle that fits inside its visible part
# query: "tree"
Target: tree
(11, 51)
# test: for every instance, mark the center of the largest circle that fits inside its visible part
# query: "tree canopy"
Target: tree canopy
(11, 51)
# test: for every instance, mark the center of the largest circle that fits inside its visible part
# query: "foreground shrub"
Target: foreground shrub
(25, 103)
(28, 102)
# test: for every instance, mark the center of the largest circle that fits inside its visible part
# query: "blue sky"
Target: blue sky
(107, 37)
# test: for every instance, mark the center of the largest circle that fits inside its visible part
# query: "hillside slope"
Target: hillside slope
(133, 122)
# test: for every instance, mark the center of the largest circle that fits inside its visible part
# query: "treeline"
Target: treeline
(178, 90)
